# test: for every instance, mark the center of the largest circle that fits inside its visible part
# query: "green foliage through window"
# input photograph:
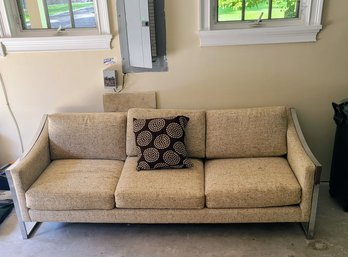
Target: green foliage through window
(234, 10)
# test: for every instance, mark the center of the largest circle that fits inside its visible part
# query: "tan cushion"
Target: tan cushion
(76, 185)
(205, 215)
(170, 188)
(195, 130)
(253, 132)
(122, 102)
(87, 136)
(250, 183)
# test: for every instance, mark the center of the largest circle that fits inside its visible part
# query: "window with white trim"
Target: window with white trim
(63, 14)
(251, 10)
(52, 25)
(243, 22)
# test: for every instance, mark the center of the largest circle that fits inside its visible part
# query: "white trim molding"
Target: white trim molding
(255, 36)
(60, 43)
(14, 39)
(101, 8)
(303, 29)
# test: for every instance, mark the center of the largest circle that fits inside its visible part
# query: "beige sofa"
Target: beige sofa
(249, 165)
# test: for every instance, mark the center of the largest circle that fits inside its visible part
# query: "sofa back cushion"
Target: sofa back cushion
(87, 135)
(252, 132)
(195, 129)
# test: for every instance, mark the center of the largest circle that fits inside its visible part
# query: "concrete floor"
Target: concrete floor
(237, 240)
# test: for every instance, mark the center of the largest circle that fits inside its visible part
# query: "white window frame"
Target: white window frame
(14, 39)
(303, 29)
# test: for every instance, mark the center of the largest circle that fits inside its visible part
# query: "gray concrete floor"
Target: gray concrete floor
(237, 240)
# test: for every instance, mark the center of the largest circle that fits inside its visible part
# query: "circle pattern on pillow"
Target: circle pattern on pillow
(171, 158)
(160, 143)
(180, 148)
(144, 138)
(156, 125)
(151, 154)
(175, 130)
(138, 125)
(143, 165)
(161, 165)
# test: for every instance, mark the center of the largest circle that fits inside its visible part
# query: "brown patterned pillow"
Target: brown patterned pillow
(160, 143)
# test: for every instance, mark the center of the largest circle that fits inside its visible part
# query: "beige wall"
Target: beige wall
(307, 76)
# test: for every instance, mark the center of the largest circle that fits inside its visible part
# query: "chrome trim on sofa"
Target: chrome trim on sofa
(309, 226)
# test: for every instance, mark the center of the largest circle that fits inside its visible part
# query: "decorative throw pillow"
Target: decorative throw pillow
(160, 143)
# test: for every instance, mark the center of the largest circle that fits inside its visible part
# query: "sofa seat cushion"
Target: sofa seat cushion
(76, 185)
(250, 183)
(160, 189)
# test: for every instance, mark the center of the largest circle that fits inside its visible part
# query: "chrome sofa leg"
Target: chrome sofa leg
(28, 231)
(308, 230)
(308, 227)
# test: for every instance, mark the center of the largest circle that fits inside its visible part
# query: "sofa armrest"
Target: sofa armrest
(306, 167)
(24, 172)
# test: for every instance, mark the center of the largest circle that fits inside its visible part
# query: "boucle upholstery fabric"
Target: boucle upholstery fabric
(302, 167)
(252, 132)
(170, 188)
(238, 215)
(75, 185)
(195, 130)
(122, 102)
(250, 183)
(87, 136)
(25, 172)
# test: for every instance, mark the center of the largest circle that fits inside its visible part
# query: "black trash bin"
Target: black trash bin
(3, 180)
(6, 204)
(339, 166)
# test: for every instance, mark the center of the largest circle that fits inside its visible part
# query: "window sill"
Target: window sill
(261, 35)
(57, 43)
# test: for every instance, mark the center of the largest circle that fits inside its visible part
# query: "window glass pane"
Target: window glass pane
(254, 8)
(84, 14)
(45, 14)
(285, 9)
(237, 10)
(230, 10)
(59, 13)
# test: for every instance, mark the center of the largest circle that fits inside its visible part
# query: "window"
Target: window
(47, 14)
(251, 10)
(50, 25)
(241, 22)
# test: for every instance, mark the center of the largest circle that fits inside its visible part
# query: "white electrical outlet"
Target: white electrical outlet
(110, 78)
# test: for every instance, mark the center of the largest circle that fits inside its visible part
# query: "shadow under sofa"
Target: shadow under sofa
(249, 165)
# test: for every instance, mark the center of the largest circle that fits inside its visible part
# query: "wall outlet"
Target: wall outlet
(110, 79)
